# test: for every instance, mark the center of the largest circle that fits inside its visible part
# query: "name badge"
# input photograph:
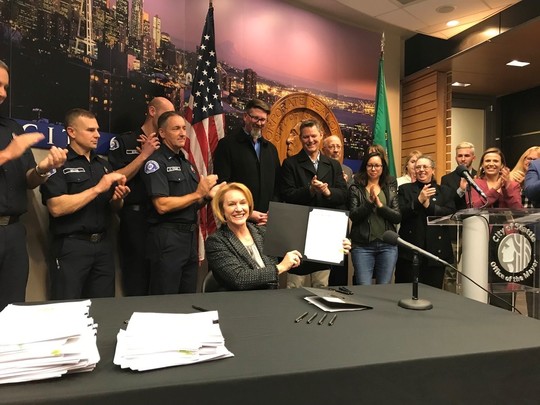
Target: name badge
(174, 169)
(132, 152)
(68, 170)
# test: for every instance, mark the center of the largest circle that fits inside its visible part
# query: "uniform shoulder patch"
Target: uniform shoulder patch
(113, 144)
(151, 166)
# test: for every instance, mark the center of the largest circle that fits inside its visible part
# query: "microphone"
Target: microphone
(462, 171)
(393, 238)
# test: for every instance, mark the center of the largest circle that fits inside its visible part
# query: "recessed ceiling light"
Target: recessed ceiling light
(459, 84)
(452, 23)
(445, 9)
(517, 63)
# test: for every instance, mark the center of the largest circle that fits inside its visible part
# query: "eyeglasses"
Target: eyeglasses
(257, 119)
(374, 166)
(422, 167)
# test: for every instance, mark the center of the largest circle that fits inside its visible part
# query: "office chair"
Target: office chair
(210, 284)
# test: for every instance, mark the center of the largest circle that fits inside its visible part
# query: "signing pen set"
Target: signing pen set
(314, 316)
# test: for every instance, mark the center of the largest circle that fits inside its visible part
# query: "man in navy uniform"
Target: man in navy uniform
(127, 154)
(18, 172)
(177, 193)
(79, 197)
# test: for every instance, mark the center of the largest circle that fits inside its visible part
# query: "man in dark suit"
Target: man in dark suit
(532, 182)
(312, 179)
(246, 157)
(464, 156)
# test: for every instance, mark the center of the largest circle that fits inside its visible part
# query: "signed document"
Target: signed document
(317, 233)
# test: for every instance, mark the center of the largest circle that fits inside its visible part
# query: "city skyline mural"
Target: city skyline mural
(112, 57)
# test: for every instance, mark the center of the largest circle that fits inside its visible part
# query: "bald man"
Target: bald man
(333, 148)
(127, 155)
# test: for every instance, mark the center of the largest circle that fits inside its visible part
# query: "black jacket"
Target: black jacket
(414, 228)
(235, 160)
(360, 209)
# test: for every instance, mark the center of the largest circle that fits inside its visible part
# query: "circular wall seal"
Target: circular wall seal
(286, 116)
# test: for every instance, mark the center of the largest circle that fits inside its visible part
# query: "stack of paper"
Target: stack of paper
(46, 341)
(157, 340)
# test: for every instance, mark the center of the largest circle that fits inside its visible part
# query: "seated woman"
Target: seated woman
(234, 251)
(494, 179)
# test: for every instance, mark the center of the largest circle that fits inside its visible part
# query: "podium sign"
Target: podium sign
(499, 247)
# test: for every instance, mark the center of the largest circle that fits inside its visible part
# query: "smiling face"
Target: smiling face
(311, 139)
(235, 208)
(424, 170)
(492, 164)
(254, 121)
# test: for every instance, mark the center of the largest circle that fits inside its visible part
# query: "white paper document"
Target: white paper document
(325, 233)
(156, 340)
(46, 341)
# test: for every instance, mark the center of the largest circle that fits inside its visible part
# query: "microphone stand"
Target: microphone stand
(415, 302)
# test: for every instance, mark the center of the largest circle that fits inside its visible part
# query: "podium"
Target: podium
(500, 251)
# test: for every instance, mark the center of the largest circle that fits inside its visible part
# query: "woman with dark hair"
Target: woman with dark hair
(373, 209)
(494, 180)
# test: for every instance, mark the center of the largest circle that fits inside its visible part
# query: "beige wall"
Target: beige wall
(393, 58)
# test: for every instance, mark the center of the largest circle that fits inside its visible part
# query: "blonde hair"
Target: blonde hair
(217, 201)
(519, 169)
(411, 154)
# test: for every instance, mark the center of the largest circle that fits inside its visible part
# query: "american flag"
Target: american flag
(205, 118)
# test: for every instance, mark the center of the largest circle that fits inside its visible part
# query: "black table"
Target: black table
(461, 351)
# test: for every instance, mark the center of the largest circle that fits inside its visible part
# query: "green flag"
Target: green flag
(381, 126)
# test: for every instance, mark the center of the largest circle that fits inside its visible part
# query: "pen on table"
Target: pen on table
(199, 308)
(322, 319)
(312, 317)
(332, 320)
(300, 317)
(345, 290)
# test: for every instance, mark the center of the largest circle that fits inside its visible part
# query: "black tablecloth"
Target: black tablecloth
(461, 351)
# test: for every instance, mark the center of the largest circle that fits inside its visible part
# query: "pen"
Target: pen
(199, 308)
(332, 320)
(312, 317)
(322, 319)
(300, 317)
(345, 290)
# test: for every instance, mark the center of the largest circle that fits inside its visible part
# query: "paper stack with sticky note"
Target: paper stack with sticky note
(46, 341)
(157, 340)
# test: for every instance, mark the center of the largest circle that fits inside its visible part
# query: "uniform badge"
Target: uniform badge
(151, 166)
(113, 144)
(69, 170)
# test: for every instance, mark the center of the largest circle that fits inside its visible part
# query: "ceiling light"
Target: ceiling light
(445, 9)
(452, 23)
(517, 63)
(459, 84)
